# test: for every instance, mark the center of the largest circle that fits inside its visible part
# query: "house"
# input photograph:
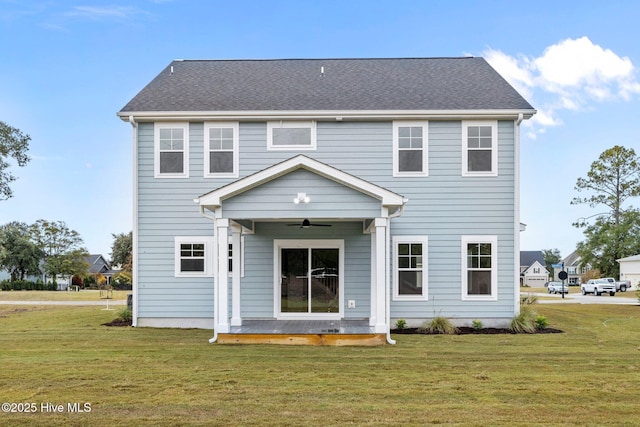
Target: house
(533, 269)
(574, 267)
(630, 270)
(325, 198)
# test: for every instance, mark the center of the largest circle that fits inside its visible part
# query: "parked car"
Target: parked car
(598, 287)
(557, 287)
(621, 286)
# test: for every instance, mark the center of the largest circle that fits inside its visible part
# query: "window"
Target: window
(171, 157)
(410, 149)
(479, 268)
(221, 150)
(291, 135)
(411, 274)
(536, 270)
(193, 256)
(480, 148)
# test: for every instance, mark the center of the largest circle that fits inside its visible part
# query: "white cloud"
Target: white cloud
(108, 12)
(570, 75)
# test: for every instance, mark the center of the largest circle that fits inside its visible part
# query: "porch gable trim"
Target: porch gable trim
(215, 198)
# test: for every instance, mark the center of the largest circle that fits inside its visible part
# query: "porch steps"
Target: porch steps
(364, 340)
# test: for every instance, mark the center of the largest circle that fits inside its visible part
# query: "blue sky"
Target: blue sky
(69, 66)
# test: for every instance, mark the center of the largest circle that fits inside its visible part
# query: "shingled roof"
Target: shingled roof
(423, 84)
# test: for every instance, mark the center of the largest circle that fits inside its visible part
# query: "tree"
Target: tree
(18, 254)
(62, 248)
(121, 250)
(612, 180)
(551, 256)
(607, 242)
(13, 145)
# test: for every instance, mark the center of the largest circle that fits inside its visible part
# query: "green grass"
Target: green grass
(83, 295)
(588, 375)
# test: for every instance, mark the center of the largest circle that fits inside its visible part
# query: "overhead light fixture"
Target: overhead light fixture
(301, 198)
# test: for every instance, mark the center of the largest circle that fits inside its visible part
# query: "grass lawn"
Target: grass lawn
(588, 375)
(83, 295)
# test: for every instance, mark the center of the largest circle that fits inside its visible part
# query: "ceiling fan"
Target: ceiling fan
(308, 224)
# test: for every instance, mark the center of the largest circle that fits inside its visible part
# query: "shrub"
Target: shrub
(401, 324)
(439, 325)
(477, 325)
(523, 323)
(125, 314)
(541, 323)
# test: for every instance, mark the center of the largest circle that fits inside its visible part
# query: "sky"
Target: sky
(68, 66)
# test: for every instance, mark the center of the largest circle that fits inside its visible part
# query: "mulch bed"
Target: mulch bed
(118, 322)
(465, 330)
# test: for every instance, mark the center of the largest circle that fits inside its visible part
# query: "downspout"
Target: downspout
(396, 214)
(516, 235)
(134, 234)
(215, 282)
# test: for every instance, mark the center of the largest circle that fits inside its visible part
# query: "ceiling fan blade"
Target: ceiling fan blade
(320, 225)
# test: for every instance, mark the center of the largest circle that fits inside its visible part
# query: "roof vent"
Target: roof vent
(321, 71)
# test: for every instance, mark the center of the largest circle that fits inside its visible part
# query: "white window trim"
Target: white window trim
(156, 149)
(425, 148)
(424, 240)
(291, 124)
(236, 158)
(493, 240)
(494, 148)
(208, 242)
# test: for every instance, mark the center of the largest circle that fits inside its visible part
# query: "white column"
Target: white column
(236, 229)
(373, 316)
(382, 286)
(222, 272)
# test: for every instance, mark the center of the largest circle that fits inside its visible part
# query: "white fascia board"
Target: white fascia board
(330, 115)
(215, 198)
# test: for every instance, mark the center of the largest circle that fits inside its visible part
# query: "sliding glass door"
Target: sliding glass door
(309, 280)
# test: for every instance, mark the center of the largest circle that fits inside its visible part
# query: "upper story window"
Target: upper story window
(171, 150)
(480, 268)
(221, 157)
(480, 148)
(411, 276)
(410, 148)
(291, 135)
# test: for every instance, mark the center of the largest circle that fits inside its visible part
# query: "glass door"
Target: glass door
(310, 280)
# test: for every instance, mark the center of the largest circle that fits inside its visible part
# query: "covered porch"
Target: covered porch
(302, 249)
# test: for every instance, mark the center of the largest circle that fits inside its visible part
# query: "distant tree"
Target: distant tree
(13, 145)
(551, 256)
(612, 180)
(18, 254)
(121, 250)
(607, 242)
(62, 248)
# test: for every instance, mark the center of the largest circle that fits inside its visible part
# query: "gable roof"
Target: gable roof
(527, 258)
(294, 85)
(215, 197)
(97, 263)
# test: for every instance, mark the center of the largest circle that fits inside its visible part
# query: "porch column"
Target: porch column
(373, 315)
(222, 273)
(382, 286)
(236, 229)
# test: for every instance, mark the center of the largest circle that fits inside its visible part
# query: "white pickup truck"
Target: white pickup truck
(598, 287)
(621, 286)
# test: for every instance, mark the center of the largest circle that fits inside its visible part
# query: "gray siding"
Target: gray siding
(444, 206)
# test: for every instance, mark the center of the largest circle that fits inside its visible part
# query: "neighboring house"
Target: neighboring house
(574, 268)
(630, 270)
(99, 265)
(350, 191)
(533, 271)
